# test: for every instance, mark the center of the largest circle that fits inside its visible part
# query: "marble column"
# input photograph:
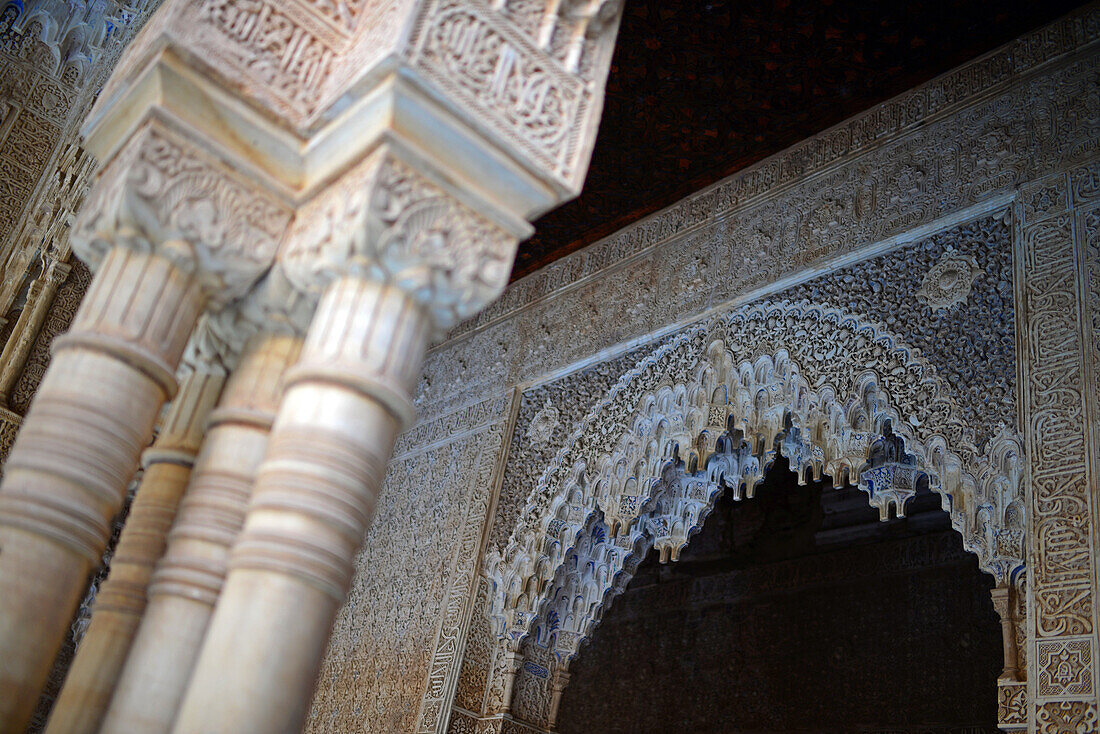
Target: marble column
(187, 581)
(1004, 601)
(25, 332)
(67, 474)
(121, 599)
(315, 494)
(392, 182)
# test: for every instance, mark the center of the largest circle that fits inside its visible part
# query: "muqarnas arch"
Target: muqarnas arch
(835, 393)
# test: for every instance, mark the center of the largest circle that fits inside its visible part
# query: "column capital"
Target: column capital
(388, 222)
(272, 307)
(56, 272)
(165, 194)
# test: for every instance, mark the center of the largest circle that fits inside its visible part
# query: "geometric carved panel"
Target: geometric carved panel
(1065, 667)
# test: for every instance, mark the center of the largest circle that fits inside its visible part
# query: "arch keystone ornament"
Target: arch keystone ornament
(711, 409)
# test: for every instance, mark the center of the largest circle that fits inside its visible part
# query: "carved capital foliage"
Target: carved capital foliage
(273, 306)
(162, 194)
(387, 222)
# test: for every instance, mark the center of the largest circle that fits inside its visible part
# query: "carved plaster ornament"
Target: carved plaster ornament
(949, 281)
(545, 422)
(612, 482)
(891, 476)
(388, 223)
(163, 194)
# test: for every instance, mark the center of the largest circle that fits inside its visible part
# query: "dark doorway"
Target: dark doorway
(798, 611)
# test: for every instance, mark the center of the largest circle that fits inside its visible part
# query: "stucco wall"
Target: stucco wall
(996, 159)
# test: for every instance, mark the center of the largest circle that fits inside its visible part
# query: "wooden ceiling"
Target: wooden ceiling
(700, 89)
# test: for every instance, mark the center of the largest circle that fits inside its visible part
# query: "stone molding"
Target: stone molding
(838, 146)
(894, 192)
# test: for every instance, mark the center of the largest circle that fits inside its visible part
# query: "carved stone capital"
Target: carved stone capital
(506, 97)
(56, 272)
(272, 307)
(387, 222)
(162, 193)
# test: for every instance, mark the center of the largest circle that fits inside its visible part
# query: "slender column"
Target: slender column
(557, 688)
(314, 497)
(1004, 601)
(39, 298)
(508, 670)
(67, 473)
(187, 581)
(121, 599)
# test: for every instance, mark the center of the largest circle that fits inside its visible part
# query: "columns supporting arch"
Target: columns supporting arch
(364, 191)
(354, 180)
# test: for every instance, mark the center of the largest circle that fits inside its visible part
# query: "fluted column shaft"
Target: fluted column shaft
(121, 599)
(79, 446)
(314, 498)
(187, 581)
(39, 298)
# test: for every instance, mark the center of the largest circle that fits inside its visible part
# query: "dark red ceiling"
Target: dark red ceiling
(700, 89)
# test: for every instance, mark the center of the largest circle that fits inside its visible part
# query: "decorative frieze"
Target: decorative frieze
(937, 100)
(748, 249)
(1062, 537)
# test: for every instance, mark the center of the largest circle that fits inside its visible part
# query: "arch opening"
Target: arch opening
(798, 610)
(713, 408)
